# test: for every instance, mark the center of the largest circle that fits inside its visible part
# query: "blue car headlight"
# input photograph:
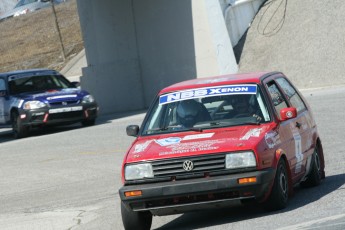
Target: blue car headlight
(33, 105)
(88, 99)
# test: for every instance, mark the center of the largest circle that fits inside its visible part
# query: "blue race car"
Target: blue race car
(42, 97)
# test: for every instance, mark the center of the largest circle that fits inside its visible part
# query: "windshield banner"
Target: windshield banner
(207, 92)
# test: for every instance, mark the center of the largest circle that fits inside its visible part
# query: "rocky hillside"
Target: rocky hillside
(303, 38)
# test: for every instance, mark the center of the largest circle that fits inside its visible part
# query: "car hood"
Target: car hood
(55, 95)
(191, 143)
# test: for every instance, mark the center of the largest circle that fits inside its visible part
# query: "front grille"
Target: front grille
(60, 103)
(202, 164)
(67, 115)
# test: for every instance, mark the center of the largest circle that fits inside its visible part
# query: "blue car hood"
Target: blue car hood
(55, 95)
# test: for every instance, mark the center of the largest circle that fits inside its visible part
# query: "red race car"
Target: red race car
(212, 142)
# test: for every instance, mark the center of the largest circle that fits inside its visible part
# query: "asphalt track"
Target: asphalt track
(68, 178)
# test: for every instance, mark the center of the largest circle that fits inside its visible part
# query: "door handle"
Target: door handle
(298, 125)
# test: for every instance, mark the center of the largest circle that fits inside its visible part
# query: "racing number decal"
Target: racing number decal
(298, 152)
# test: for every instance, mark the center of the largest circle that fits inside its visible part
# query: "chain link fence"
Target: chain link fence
(33, 41)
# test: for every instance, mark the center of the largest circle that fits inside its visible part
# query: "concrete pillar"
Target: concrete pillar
(113, 73)
(134, 48)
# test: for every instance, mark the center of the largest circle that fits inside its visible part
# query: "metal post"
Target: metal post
(58, 30)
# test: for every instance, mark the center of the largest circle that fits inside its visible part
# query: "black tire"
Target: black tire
(90, 122)
(315, 175)
(19, 131)
(135, 220)
(279, 196)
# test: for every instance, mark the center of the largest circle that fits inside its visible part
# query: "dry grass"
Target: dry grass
(32, 41)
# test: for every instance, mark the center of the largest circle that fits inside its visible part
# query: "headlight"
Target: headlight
(240, 160)
(34, 105)
(139, 171)
(88, 99)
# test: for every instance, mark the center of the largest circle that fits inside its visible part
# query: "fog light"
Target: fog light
(247, 180)
(133, 193)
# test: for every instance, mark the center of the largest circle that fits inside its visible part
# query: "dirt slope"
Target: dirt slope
(32, 40)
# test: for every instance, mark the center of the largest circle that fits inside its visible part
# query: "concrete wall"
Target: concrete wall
(165, 43)
(113, 73)
(238, 16)
(135, 48)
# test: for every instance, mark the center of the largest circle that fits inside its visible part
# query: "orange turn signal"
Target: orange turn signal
(247, 180)
(133, 193)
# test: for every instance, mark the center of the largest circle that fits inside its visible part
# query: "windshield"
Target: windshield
(206, 108)
(28, 84)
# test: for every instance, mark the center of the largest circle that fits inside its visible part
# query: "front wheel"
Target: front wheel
(19, 130)
(279, 196)
(135, 220)
(315, 174)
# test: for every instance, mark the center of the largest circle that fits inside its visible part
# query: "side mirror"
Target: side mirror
(288, 113)
(132, 130)
(3, 93)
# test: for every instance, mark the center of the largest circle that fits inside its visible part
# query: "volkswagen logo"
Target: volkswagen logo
(188, 165)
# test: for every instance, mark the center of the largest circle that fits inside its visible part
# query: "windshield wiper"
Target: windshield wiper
(251, 123)
(157, 129)
(195, 129)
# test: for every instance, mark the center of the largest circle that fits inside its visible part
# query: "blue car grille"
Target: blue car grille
(63, 103)
(66, 116)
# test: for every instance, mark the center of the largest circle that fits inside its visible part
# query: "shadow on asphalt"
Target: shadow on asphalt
(6, 134)
(215, 217)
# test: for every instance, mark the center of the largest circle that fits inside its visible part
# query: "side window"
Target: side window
(2, 84)
(2, 87)
(276, 97)
(295, 100)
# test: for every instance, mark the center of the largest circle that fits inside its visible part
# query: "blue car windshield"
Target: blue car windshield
(31, 84)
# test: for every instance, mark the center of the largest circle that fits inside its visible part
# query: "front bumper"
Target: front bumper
(59, 115)
(193, 194)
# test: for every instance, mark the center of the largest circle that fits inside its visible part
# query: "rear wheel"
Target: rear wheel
(135, 220)
(19, 130)
(280, 191)
(315, 174)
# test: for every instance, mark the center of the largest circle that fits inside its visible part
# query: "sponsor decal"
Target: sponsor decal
(141, 147)
(57, 93)
(298, 152)
(272, 139)
(198, 136)
(61, 96)
(168, 141)
(251, 133)
(195, 146)
(207, 92)
(67, 109)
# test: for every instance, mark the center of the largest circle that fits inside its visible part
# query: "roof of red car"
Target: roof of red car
(228, 79)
